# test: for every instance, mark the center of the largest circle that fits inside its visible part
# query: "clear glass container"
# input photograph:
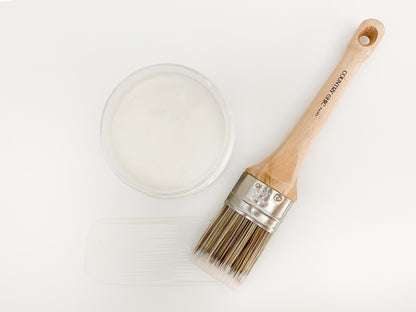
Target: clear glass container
(166, 131)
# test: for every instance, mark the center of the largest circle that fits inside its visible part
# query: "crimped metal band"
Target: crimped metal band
(258, 202)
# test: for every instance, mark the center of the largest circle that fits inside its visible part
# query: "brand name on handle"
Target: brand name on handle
(331, 91)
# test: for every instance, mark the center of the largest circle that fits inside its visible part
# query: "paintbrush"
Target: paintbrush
(264, 193)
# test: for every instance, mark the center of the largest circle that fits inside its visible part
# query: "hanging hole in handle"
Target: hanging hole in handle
(364, 40)
(368, 36)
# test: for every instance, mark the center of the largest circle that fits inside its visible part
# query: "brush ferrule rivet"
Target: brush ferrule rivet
(277, 197)
(258, 202)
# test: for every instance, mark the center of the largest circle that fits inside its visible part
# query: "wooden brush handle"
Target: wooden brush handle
(280, 170)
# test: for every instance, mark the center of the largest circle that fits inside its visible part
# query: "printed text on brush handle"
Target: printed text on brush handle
(334, 88)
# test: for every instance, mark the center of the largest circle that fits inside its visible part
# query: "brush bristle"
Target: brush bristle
(230, 247)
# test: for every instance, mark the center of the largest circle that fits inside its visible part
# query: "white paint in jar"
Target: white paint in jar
(166, 131)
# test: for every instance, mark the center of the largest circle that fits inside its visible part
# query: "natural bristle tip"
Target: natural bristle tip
(230, 247)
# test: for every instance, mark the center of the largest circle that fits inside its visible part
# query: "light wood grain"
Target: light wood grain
(280, 170)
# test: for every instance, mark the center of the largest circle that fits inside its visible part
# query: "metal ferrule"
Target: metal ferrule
(258, 202)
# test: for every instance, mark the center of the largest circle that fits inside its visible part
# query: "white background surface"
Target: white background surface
(349, 242)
